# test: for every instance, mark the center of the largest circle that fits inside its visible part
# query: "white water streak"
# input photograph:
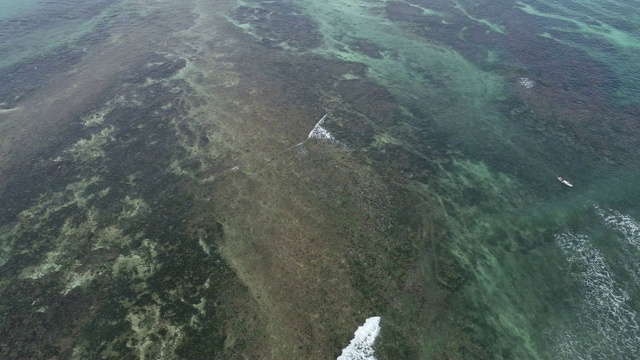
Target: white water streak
(630, 230)
(319, 132)
(607, 305)
(526, 82)
(361, 347)
(625, 224)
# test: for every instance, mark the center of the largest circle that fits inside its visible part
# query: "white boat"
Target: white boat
(562, 180)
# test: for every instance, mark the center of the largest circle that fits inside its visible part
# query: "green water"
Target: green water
(163, 197)
(10, 9)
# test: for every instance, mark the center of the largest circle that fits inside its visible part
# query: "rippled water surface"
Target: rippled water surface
(303, 179)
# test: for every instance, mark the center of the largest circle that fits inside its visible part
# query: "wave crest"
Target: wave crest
(361, 347)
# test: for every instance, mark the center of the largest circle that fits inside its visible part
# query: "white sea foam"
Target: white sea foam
(625, 224)
(606, 308)
(361, 347)
(526, 82)
(319, 132)
(629, 228)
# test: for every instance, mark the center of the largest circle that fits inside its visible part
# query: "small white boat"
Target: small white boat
(562, 180)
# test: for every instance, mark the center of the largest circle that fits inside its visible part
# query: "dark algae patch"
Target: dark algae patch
(99, 257)
(118, 270)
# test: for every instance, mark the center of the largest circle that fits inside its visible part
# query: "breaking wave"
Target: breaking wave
(319, 132)
(361, 347)
(607, 325)
(625, 224)
(629, 228)
(526, 82)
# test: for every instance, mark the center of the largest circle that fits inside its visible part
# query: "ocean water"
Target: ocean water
(258, 179)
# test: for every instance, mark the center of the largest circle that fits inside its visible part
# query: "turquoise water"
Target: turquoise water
(164, 197)
(11, 9)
